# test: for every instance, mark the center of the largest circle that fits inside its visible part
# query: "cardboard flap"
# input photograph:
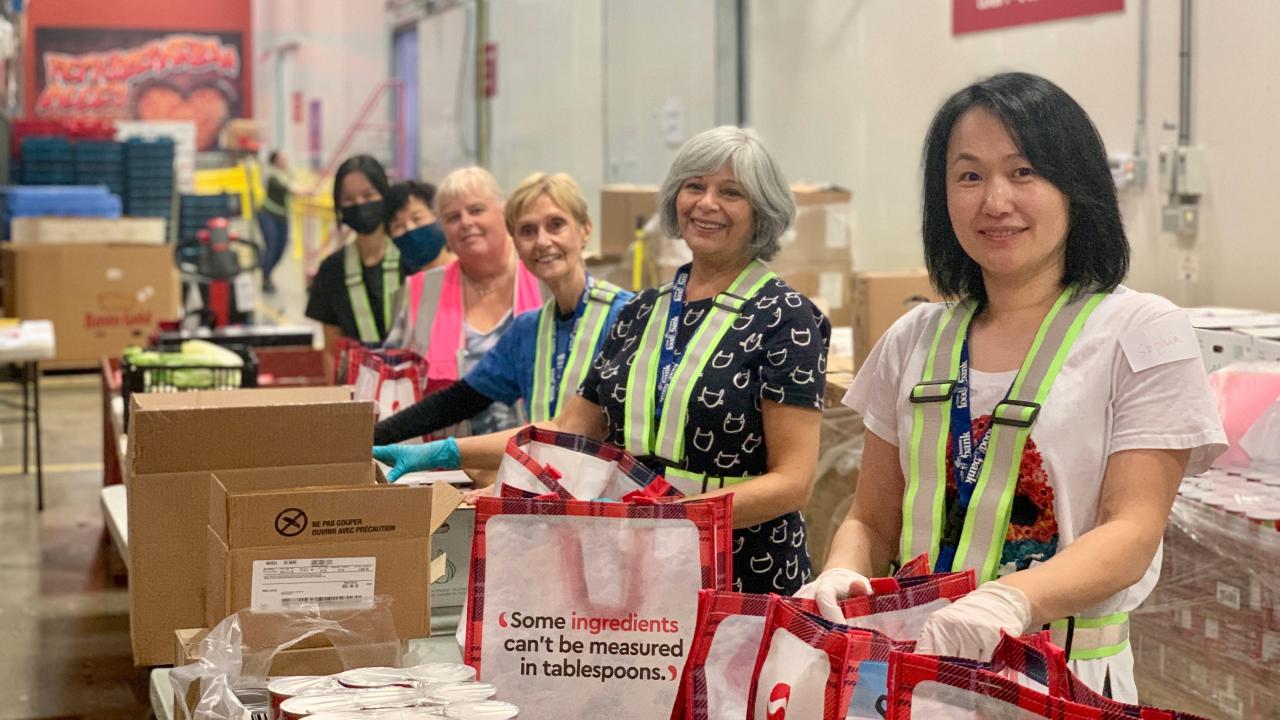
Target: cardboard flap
(301, 516)
(172, 433)
(439, 567)
(445, 498)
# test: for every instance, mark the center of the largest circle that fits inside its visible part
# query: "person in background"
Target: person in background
(455, 314)
(414, 228)
(273, 217)
(1025, 431)
(545, 355)
(353, 290)
(714, 381)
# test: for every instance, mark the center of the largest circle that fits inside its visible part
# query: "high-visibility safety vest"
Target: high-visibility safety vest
(663, 441)
(359, 296)
(986, 521)
(588, 333)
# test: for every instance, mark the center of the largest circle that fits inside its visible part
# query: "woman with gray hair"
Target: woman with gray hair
(716, 379)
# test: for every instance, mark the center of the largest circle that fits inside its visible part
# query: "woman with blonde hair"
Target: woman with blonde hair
(545, 355)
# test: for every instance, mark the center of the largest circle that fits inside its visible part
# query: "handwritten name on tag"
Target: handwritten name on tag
(1163, 341)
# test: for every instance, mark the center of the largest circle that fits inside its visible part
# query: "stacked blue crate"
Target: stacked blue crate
(195, 211)
(100, 163)
(60, 200)
(148, 177)
(46, 161)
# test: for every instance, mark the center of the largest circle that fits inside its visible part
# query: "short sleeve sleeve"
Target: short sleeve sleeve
(793, 368)
(874, 392)
(496, 376)
(320, 306)
(1142, 403)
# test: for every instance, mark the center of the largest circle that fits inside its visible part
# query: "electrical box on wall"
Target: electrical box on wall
(1192, 178)
(1165, 162)
(1127, 169)
(1182, 219)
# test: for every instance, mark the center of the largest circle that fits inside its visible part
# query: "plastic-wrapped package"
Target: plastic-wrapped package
(1207, 640)
(240, 652)
(1245, 391)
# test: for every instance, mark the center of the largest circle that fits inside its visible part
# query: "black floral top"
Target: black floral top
(775, 350)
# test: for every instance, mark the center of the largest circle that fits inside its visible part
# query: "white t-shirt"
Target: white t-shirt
(1097, 406)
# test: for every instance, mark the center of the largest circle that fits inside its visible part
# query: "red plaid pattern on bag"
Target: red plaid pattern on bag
(628, 480)
(704, 514)
(917, 566)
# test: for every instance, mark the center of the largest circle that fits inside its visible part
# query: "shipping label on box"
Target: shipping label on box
(280, 584)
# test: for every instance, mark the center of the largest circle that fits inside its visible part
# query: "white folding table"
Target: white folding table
(25, 344)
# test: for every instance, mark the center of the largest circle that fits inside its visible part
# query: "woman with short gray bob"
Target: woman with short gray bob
(771, 201)
(716, 379)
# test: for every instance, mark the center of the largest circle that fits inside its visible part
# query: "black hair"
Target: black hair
(275, 154)
(400, 193)
(1063, 146)
(366, 165)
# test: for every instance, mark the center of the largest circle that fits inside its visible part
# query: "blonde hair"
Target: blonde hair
(562, 190)
(467, 181)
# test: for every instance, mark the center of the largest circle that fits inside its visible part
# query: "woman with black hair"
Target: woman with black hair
(353, 290)
(1036, 428)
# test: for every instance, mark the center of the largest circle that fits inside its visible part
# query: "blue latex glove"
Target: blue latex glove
(437, 455)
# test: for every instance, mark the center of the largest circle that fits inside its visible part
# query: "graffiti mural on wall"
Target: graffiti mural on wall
(141, 74)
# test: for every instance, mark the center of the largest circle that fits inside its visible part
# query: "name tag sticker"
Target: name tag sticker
(1163, 341)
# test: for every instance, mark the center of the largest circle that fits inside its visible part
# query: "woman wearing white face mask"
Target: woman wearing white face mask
(455, 314)
(353, 290)
(1027, 431)
(545, 355)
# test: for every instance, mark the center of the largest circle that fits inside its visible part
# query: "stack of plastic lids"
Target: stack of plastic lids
(46, 161)
(99, 162)
(434, 690)
(195, 211)
(148, 177)
(59, 200)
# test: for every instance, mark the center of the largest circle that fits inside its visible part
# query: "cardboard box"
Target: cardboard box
(621, 207)
(101, 298)
(452, 541)
(270, 549)
(879, 299)
(305, 436)
(821, 240)
(830, 290)
(1220, 348)
(64, 230)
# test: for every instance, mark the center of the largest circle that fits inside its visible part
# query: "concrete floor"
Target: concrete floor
(64, 602)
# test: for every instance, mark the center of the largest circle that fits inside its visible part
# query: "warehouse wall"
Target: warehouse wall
(844, 91)
(343, 53)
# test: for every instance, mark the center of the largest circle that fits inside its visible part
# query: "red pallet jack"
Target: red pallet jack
(213, 265)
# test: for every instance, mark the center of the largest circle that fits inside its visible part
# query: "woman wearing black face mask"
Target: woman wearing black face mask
(352, 292)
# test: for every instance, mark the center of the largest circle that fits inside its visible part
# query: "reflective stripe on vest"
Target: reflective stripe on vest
(986, 521)
(588, 333)
(359, 296)
(665, 442)
(1092, 638)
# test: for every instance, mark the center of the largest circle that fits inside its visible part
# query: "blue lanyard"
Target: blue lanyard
(967, 460)
(564, 346)
(669, 356)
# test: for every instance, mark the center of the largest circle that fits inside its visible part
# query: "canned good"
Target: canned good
(411, 713)
(441, 672)
(1268, 517)
(282, 689)
(256, 701)
(374, 677)
(486, 710)
(449, 693)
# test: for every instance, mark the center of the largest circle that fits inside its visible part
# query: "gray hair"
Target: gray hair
(772, 205)
(467, 181)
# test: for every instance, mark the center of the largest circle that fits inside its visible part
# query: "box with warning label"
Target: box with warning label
(340, 545)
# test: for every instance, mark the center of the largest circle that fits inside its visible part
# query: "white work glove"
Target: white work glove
(832, 586)
(971, 626)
